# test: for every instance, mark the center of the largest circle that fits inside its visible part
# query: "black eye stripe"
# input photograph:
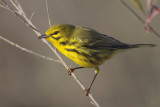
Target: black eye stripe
(55, 33)
(56, 38)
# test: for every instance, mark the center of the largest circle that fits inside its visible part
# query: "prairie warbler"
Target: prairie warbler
(85, 46)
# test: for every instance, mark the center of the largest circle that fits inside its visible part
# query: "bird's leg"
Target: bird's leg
(70, 70)
(88, 90)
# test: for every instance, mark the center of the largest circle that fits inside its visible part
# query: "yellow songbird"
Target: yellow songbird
(85, 46)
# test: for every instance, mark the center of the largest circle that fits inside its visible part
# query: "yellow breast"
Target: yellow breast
(82, 56)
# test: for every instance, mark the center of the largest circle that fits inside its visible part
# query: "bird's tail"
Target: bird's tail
(131, 46)
(141, 45)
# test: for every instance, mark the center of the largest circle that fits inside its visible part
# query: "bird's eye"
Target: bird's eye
(56, 32)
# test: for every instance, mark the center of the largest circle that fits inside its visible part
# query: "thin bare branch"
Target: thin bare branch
(20, 8)
(17, 14)
(140, 19)
(26, 20)
(31, 16)
(17, 8)
(4, 7)
(49, 20)
(27, 50)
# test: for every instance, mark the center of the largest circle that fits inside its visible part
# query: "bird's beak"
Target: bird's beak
(43, 36)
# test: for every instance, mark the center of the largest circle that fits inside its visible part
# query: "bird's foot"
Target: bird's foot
(70, 70)
(86, 91)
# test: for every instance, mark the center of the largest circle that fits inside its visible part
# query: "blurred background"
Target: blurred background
(130, 79)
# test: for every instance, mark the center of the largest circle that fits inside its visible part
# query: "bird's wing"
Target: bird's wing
(94, 40)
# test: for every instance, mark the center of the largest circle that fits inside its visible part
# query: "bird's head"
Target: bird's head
(58, 31)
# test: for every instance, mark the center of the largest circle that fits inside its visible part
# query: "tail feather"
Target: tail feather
(131, 46)
(141, 45)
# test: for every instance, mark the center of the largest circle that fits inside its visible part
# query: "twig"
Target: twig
(26, 50)
(18, 14)
(4, 7)
(49, 20)
(24, 18)
(32, 16)
(140, 19)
